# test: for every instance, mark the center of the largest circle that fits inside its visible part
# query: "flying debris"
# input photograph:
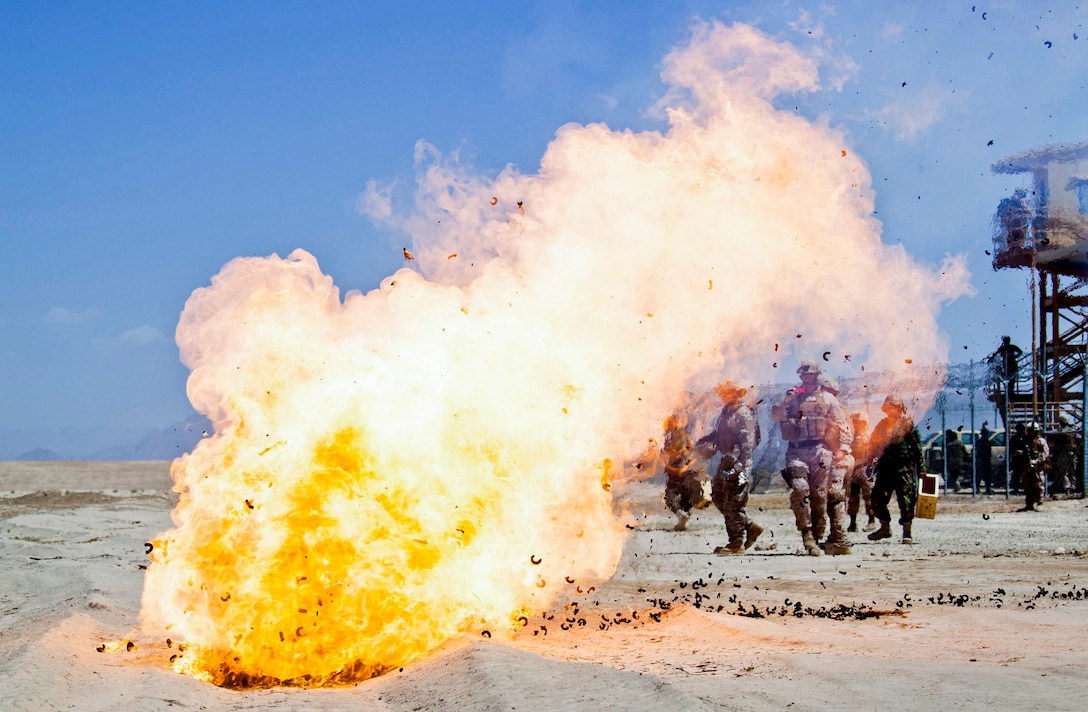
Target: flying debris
(450, 257)
(494, 200)
(990, 142)
(407, 255)
(1048, 44)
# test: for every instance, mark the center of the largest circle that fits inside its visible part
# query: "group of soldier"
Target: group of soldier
(832, 465)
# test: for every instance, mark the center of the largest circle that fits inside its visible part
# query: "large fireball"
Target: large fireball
(389, 470)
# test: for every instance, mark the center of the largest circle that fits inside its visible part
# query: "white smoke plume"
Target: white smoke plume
(447, 436)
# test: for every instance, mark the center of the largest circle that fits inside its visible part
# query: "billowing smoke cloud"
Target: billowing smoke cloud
(433, 456)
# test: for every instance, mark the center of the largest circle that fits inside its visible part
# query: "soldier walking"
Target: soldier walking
(819, 435)
(683, 478)
(860, 482)
(735, 437)
(897, 468)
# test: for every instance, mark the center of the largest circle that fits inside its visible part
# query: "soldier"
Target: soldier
(897, 467)
(1063, 458)
(983, 452)
(1019, 453)
(957, 457)
(860, 484)
(683, 478)
(1034, 472)
(818, 434)
(735, 436)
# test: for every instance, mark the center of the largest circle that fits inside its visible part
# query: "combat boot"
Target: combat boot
(735, 547)
(832, 549)
(853, 523)
(809, 542)
(753, 532)
(682, 524)
(906, 533)
(884, 532)
(870, 525)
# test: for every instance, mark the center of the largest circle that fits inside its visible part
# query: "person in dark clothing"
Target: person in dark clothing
(983, 453)
(897, 468)
(1005, 362)
(1019, 456)
(1013, 214)
(1064, 447)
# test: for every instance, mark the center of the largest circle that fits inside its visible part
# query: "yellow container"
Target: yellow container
(927, 497)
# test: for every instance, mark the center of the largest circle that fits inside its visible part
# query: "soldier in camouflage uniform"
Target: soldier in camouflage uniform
(1038, 454)
(818, 457)
(735, 437)
(859, 485)
(683, 477)
(897, 467)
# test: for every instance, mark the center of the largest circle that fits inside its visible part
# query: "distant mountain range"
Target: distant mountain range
(165, 444)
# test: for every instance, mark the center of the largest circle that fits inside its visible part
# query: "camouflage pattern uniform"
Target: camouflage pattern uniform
(683, 478)
(735, 437)
(819, 435)
(860, 485)
(1038, 454)
(897, 468)
(1063, 459)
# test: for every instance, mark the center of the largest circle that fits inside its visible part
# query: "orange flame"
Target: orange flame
(391, 469)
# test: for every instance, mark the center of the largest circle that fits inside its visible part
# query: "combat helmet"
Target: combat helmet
(894, 401)
(729, 390)
(808, 366)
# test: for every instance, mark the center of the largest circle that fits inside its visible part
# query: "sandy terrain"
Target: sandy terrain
(985, 611)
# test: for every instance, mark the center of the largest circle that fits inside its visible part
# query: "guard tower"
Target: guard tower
(1045, 229)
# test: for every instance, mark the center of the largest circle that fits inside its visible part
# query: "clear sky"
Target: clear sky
(143, 146)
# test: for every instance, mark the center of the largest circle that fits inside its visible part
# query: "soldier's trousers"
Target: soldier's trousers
(860, 489)
(1033, 487)
(900, 482)
(730, 495)
(817, 491)
(684, 490)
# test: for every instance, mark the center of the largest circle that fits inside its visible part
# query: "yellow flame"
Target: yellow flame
(390, 469)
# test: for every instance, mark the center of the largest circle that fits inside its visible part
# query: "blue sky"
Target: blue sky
(144, 146)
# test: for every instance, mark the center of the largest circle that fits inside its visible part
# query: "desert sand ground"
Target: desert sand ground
(986, 610)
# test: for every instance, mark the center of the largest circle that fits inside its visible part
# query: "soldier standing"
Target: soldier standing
(735, 437)
(983, 452)
(897, 468)
(957, 458)
(860, 484)
(683, 478)
(1019, 454)
(818, 434)
(1034, 472)
(1063, 459)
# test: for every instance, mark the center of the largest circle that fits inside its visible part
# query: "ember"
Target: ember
(436, 458)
